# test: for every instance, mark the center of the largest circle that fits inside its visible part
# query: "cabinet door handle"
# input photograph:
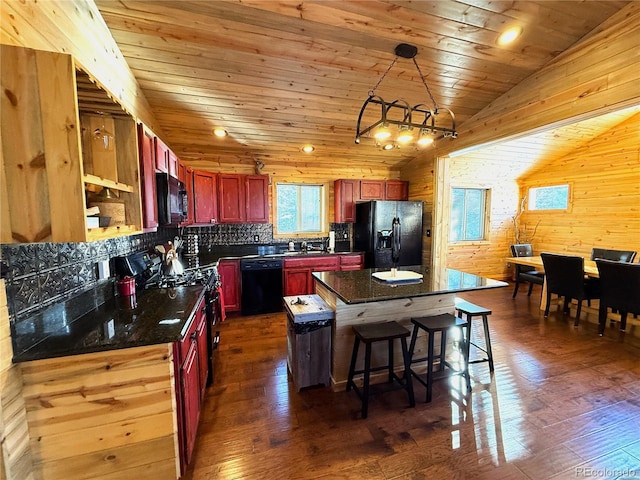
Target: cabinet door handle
(194, 336)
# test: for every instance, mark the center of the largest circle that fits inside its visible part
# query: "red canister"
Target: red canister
(127, 286)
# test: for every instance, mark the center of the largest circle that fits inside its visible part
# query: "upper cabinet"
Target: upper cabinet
(243, 198)
(372, 190)
(396, 190)
(348, 192)
(231, 197)
(257, 198)
(205, 197)
(66, 145)
(185, 175)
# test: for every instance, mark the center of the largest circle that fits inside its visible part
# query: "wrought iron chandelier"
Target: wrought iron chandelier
(420, 124)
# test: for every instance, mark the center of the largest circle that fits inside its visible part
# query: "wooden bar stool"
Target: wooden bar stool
(378, 332)
(432, 325)
(472, 310)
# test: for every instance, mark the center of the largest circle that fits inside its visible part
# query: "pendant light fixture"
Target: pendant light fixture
(399, 124)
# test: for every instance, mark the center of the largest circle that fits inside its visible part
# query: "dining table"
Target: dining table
(590, 269)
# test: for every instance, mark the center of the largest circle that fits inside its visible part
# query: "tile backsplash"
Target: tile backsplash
(40, 275)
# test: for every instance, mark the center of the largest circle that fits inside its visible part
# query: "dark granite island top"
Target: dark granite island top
(359, 286)
(158, 316)
(356, 298)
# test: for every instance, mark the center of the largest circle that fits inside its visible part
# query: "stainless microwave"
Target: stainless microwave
(172, 200)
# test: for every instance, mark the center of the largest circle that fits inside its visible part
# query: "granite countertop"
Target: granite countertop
(240, 253)
(359, 286)
(156, 316)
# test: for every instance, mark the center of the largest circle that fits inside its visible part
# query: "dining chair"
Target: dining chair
(565, 277)
(609, 254)
(619, 290)
(525, 273)
(615, 255)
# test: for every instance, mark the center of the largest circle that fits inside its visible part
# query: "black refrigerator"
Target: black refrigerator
(389, 233)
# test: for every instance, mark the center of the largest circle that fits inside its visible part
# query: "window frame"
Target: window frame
(569, 186)
(324, 201)
(486, 216)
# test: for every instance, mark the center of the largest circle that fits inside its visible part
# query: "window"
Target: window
(468, 212)
(299, 208)
(549, 198)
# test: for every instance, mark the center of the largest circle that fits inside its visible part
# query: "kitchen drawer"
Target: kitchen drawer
(317, 263)
(352, 259)
(190, 336)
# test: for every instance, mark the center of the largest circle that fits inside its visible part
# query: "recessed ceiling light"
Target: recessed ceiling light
(308, 148)
(509, 35)
(220, 132)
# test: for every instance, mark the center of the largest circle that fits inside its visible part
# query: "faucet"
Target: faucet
(303, 246)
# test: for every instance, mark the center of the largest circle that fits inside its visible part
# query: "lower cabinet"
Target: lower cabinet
(354, 261)
(192, 367)
(297, 272)
(229, 271)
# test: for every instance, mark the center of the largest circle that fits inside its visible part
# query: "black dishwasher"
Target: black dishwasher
(261, 285)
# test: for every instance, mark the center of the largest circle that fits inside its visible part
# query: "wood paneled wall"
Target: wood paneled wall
(105, 415)
(604, 208)
(76, 27)
(16, 455)
(310, 173)
(596, 76)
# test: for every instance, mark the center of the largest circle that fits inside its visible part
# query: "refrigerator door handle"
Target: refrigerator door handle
(395, 241)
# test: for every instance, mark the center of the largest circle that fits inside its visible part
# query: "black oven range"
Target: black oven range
(147, 271)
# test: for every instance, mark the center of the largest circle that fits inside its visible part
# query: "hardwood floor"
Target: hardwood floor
(563, 403)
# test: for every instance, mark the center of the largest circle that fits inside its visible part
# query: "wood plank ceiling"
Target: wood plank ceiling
(281, 74)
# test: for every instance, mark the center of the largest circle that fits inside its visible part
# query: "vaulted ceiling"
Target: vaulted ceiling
(281, 74)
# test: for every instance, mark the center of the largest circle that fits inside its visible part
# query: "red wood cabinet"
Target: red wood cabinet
(297, 272)
(257, 198)
(372, 190)
(231, 197)
(162, 156)
(205, 197)
(192, 367)
(185, 175)
(351, 261)
(243, 198)
(229, 271)
(346, 193)
(396, 190)
(203, 353)
(172, 165)
(190, 389)
(147, 178)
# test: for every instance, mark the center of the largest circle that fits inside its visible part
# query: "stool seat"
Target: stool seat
(378, 332)
(472, 310)
(432, 325)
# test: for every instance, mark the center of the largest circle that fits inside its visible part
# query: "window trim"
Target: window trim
(486, 227)
(324, 224)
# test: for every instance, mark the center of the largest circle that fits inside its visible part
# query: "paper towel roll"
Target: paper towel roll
(332, 241)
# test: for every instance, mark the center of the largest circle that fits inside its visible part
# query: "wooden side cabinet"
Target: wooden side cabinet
(62, 151)
(229, 271)
(148, 178)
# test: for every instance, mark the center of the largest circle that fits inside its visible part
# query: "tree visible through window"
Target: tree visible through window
(299, 208)
(549, 198)
(468, 207)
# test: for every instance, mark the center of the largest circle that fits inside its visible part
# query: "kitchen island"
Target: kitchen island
(358, 297)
